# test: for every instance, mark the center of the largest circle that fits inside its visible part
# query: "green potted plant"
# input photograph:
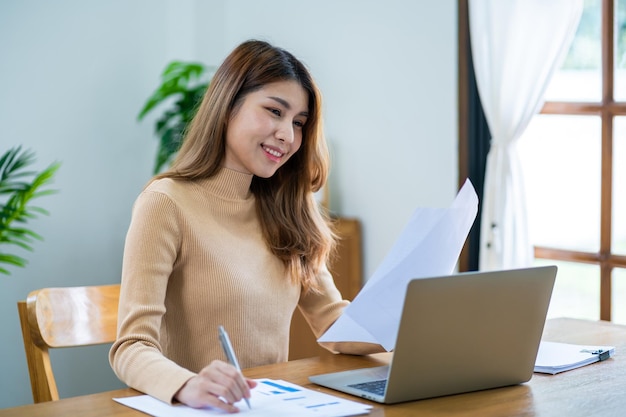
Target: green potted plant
(18, 187)
(182, 86)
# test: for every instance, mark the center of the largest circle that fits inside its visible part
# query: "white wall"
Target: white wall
(75, 74)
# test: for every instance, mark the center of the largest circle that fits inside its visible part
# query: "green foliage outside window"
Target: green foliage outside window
(585, 53)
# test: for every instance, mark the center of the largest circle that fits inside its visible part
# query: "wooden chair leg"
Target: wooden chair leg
(42, 381)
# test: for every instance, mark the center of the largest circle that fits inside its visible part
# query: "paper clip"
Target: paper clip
(602, 354)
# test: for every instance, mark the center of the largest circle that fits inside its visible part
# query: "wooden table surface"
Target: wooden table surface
(594, 390)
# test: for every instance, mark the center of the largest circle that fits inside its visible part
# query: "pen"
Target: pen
(230, 353)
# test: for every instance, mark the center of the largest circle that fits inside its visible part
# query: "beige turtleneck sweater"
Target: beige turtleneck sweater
(194, 259)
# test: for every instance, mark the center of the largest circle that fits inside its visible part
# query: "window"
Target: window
(574, 160)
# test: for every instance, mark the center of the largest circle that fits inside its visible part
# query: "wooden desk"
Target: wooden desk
(595, 390)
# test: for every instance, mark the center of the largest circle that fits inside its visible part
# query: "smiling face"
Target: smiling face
(266, 129)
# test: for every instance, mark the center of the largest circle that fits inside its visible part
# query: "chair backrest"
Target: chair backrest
(64, 317)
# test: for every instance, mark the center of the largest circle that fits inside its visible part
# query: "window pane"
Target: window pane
(576, 290)
(560, 157)
(580, 77)
(620, 51)
(618, 234)
(618, 302)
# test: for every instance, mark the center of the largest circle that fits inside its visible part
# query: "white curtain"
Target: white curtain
(516, 46)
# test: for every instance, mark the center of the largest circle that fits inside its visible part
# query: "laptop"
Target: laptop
(466, 332)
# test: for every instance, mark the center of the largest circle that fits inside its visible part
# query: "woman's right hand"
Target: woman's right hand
(218, 385)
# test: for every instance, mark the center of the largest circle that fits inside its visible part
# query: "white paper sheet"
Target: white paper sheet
(271, 398)
(428, 246)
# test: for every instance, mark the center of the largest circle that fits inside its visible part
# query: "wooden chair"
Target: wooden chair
(64, 317)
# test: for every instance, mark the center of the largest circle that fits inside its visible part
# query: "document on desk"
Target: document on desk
(428, 246)
(271, 398)
(553, 357)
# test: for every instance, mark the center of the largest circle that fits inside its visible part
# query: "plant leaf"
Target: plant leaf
(17, 210)
(175, 79)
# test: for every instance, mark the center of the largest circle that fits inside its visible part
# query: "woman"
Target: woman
(231, 235)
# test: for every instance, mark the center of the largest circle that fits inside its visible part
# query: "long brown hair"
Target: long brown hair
(295, 228)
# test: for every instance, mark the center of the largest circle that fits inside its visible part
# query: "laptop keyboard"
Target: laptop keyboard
(374, 387)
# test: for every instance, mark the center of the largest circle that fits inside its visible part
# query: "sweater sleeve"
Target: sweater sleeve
(151, 249)
(322, 308)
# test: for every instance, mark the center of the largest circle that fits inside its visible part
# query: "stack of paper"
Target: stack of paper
(553, 357)
(275, 398)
